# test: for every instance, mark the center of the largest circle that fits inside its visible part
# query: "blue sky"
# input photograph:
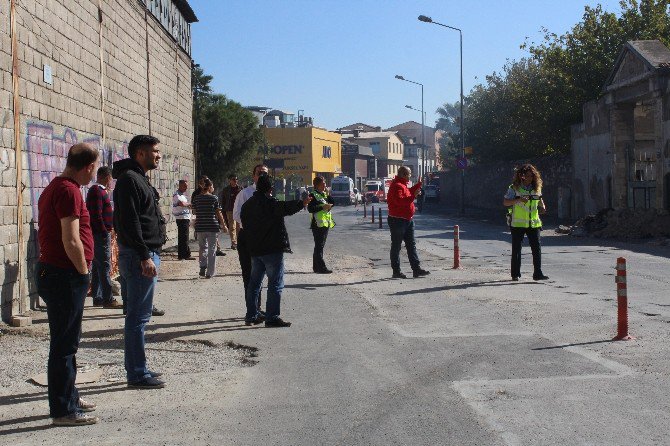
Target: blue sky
(336, 59)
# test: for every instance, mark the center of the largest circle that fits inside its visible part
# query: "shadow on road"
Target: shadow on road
(462, 286)
(574, 345)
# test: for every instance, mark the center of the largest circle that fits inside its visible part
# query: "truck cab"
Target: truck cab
(342, 190)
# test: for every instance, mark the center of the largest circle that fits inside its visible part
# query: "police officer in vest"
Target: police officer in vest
(322, 221)
(524, 199)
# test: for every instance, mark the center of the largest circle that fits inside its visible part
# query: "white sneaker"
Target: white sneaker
(75, 419)
(85, 406)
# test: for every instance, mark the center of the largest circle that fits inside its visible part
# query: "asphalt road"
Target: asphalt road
(462, 357)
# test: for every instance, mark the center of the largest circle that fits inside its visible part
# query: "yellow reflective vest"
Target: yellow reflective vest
(526, 215)
(323, 219)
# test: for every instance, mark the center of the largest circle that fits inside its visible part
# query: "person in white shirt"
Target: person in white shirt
(181, 210)
(242, 249)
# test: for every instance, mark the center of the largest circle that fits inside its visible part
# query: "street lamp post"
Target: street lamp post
(427, 19)
(423, 130)
(423, 151)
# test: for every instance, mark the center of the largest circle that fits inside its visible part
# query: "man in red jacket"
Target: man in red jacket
(400, 201)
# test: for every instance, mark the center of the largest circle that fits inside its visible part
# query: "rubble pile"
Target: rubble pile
(622, 224)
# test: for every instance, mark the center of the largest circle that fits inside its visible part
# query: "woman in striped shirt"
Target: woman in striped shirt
(208, 223)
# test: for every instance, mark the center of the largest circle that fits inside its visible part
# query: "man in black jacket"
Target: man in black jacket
(263, 221)
(140, 229)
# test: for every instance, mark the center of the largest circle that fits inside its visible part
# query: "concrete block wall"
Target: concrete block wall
(486, 184)
(144, 87)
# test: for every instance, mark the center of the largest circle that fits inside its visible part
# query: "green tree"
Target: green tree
(449, 118)
(527, 109)
(229, 137)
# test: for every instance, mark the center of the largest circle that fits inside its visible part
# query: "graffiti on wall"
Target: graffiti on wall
(47, 148)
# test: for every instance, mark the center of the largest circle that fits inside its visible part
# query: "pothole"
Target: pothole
(29, 356)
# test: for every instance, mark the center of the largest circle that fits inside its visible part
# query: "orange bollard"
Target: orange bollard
(457, 251)
(373, 214)
(622, 301)
(380, 218)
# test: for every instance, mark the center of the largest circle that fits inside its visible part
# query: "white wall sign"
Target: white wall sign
(48, 78)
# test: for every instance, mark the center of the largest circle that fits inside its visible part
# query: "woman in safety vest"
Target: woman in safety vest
(524, 198)
(322, 221)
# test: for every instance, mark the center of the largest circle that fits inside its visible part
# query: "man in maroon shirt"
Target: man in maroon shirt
(99, 206)
(400, 200)
(63, 278)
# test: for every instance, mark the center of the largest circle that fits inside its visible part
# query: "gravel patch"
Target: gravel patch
(29, 353)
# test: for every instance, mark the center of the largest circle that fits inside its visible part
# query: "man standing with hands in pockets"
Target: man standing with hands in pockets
(140, 227)
(63, 277)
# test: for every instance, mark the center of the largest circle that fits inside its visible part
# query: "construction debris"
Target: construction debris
(622, 224)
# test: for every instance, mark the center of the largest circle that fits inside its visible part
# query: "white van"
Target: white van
(342, 190)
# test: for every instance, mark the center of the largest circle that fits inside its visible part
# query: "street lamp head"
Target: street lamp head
(424, 18)
(397, 76)
(409, 106)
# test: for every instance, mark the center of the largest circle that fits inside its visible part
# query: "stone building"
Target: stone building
(92, 71)
(621, 152)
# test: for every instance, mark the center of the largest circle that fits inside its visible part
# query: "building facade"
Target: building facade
(387, 147)
(96, 72)
(358, 162)
(621, 152)
(298, 154)
(412, 131)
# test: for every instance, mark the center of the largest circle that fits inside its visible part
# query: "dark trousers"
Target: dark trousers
(101, 282)
(245, 263)
(320, 236)
(64, 292)
(183, 250)
(534, 242)
(403, 230)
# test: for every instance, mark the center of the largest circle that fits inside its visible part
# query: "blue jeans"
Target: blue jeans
(403, 230)
(101, 283)
(64, 291)
(273, 265)
(139, 295)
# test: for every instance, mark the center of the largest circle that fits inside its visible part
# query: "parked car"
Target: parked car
(432, 193)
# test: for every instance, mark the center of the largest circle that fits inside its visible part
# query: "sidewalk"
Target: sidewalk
(194, 306)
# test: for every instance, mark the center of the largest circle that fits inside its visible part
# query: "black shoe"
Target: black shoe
(399, 275)
(277, 322)
(187, 258)
(420, 273)
(148, 383)
(515, 278)
(323, 271)
(155, 374)
(114, 304)
(540, 277)
(156, 312)
(202, 271)
(220, 253)
(97, 303)
(255, 321)
(233, 247)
